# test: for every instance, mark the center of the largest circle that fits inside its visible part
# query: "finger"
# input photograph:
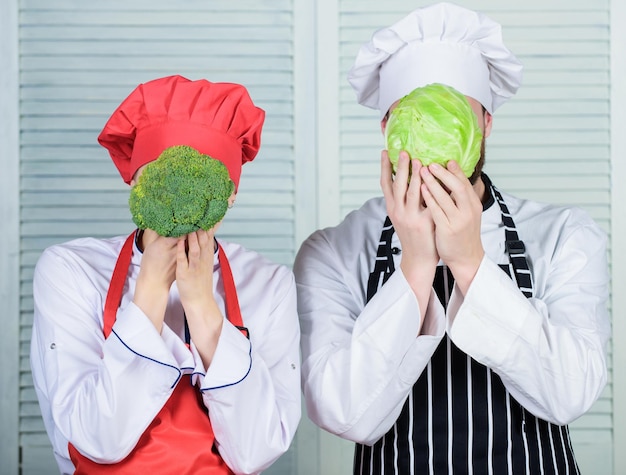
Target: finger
(401, 183)
(386, 180)
(436, 186)
(452, 177)
(194, 247)
(181, 254)
(447, 200)
(414, 194)
(212, 244)
(456, 170)
(461, 190)
(439, 216)
(462, 183)
(204, 240)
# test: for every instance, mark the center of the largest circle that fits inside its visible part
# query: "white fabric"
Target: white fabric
(101, 394)
(442, 43)
(360, 361)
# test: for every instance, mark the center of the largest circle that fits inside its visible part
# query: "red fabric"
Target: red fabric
(180, 439)
(217, 119)
(232, 301)
(116, 287)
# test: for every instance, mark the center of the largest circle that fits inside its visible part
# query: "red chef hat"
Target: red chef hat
(217, 119)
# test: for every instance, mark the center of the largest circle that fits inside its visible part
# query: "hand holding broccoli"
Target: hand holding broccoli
(180, 192)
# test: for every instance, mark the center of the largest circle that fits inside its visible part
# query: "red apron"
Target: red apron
(180, 439)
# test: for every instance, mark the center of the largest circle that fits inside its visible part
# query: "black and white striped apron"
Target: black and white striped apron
(459, 418)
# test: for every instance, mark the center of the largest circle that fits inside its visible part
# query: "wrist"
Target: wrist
(153, 305)
(151, 296)
(147, 283)
(205, 330)
(420, 279)
(465, 271)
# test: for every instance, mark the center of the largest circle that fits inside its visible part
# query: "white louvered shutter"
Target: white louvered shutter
(550, 143)
(78, 61)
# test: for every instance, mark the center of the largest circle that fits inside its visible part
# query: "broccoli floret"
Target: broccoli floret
(180, 192)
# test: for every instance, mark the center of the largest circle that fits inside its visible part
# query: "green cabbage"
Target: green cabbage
(434, 124)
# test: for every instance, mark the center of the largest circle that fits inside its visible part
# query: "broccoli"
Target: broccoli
(180, 192)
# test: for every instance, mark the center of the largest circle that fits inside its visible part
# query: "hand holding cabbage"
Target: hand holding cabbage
(434, 124)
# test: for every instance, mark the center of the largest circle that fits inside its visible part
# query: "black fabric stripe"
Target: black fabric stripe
(523, 281)
(480, 421)
(376, 462)
(507, 221)
(517, 446)
(534, 449)
(388, 452)
(383, 264)
(558, 446)
(443, 274)
(402, 426)
(520, 263)
(544, 434)
(510, 234)
(440, 407)
(501, 421)
(460, 448)
(356, 464)
(506, 268)
(573, 466)
(397, 439)
(421, 420)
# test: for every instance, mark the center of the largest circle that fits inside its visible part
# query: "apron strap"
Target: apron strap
(514, 247)
(116, 287)
(120, 273)
(233, 311)
(383, 266)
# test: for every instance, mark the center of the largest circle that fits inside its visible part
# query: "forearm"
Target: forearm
(103, 395)
(420, 278)
(253, 396)
(359, 372)
(151, 299)
(552, 359)
(363, 417)
(205, 327)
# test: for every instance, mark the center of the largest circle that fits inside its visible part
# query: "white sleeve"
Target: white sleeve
(252, 387)
(549, 350)
(359, 364)
(100, 394)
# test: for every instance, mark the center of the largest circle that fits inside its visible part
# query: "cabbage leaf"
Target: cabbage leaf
(434, 124)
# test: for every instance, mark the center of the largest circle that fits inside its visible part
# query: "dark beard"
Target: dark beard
(478, 169)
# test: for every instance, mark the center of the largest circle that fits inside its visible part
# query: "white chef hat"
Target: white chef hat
(443, 43)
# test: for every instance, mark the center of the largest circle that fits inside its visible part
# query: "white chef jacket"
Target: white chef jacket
(102, 394)
(361, 360)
